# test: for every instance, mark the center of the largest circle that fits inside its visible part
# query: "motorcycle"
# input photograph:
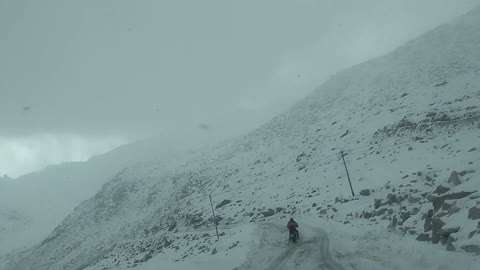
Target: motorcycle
(293, 237)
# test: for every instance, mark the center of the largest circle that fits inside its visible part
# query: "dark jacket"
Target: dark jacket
(292, 224)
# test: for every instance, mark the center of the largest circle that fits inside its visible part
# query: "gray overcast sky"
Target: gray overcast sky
(125, 69)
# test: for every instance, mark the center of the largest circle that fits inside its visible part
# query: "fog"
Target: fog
(78, 78)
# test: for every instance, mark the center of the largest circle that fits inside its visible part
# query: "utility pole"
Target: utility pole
(214, 217)
(346, 169)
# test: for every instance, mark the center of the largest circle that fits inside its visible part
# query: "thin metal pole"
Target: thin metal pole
(214, 217)
(348, 175)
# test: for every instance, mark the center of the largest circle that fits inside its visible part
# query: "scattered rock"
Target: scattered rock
(446, 206)
(423, 237)
(380, 212)
(472, 249)
(367, 215)
(457, 195)
(447, 231)
(463, 173)
(268, 213)
(344, 134)
(450, 246)
(377, 203)
(223, 203)
(394, 222)
(437, 224)
(412, 199)
(472, 233)
(454, 178)
(365, 192)
(453, 210)
(473, 149)
(405, 215)
(474, 213)
(437, 203)
(428, 224)
(441, 190)
(392, 198)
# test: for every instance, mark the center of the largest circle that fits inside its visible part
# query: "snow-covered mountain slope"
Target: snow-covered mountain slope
(409, 123)
(31, 206)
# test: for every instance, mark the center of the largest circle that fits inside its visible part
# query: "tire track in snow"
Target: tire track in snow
(313, 253)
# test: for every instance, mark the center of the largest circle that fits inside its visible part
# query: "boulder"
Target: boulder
(214, 251)
(268, 213)
(427, 226)
(394, 222)
(441, 189)
(457, 195)
(446, 206)
(423, 237)
(365, 192)
(405, 215)
(380, 212)
(223, 203)
(437, 224)
(392, 198)
(472, 249)
(412, 199)
(474, 213)
(454, 178)
(472, 233)
(445, 232)
(453, 210)
(437, 203)
(377, 203)
(450, 246)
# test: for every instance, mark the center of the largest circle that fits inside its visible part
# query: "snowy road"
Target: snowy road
(311, 252)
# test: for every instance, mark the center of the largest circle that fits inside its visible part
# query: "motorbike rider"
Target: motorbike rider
(292, 227)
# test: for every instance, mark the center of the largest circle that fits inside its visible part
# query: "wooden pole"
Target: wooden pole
(214, 217)
(348, 175)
